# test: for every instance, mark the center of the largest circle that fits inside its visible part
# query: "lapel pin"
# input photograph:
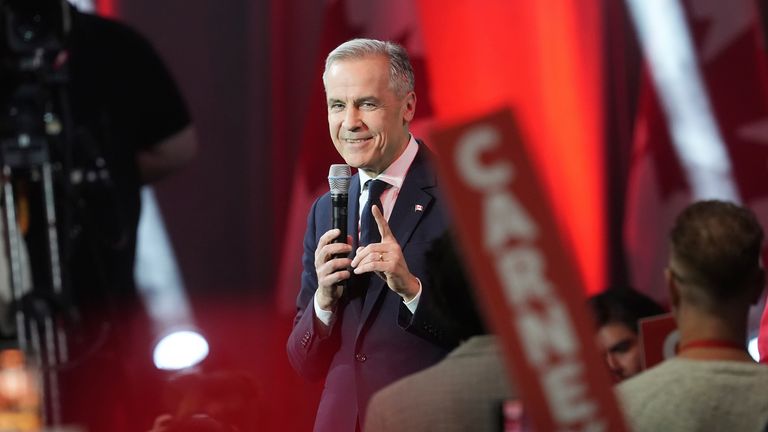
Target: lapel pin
(419, 208)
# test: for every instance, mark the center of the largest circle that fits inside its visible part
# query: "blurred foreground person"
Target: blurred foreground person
(617, 313)
(714, 275)
(217, 401)
(96, 96)
(465, 391)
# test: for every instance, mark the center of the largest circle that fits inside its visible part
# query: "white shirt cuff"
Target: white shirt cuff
(323, 315)
(411, 305)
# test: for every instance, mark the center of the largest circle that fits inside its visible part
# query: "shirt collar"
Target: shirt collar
(395, 173)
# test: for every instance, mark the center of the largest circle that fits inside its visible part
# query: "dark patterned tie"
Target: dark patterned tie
(369, 231)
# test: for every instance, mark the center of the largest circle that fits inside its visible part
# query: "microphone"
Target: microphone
(339, 176)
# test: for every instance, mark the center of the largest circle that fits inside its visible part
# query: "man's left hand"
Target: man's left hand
(387, 261)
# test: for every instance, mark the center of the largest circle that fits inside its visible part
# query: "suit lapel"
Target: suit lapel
(413, 201)
(353, 210)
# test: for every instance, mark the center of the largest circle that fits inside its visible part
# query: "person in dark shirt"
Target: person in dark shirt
(122, 115)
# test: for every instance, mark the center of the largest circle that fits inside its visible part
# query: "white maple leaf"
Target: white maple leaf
(727, 21)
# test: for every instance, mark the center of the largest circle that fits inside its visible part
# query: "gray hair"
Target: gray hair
(400, 71)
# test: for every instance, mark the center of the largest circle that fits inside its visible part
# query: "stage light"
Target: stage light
(162, 291)
(84, 5)
(668, 46)
(180, 350)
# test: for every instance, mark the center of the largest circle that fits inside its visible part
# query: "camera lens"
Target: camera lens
(29, 28)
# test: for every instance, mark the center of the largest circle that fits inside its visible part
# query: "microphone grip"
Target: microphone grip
(339, 206)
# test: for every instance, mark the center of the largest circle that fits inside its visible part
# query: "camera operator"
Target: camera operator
(124, 124)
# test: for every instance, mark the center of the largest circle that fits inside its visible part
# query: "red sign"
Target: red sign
(658, 339)
(524, 276)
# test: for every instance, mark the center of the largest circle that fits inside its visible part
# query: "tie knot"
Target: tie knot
(375, 189)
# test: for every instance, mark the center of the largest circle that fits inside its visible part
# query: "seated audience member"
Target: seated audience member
(714, 275)
(215, 401)
(463, 392)
(617, 312)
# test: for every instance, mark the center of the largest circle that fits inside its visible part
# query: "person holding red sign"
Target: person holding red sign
(617, 312)
(365, 320)
(714, 275)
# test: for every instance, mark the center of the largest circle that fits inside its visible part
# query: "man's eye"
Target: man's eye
(622, 347)
(367, 105)
(336, 107)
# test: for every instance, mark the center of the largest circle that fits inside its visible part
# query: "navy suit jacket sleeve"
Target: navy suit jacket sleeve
(309, 351)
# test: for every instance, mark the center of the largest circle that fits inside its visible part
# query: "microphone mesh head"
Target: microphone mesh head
(339, 176)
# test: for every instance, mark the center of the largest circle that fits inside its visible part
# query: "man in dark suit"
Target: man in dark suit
(370, 317)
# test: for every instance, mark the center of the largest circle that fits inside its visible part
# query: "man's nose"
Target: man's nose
(352, 119)
(612, 363)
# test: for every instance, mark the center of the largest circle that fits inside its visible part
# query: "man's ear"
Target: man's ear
(409, 107)
(674, 290)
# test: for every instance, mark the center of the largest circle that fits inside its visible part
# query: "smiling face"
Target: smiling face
(367, 119)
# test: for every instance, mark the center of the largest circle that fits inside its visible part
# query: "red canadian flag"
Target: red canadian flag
(727, 51)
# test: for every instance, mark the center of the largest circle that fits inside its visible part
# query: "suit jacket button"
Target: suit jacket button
(361, 357)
